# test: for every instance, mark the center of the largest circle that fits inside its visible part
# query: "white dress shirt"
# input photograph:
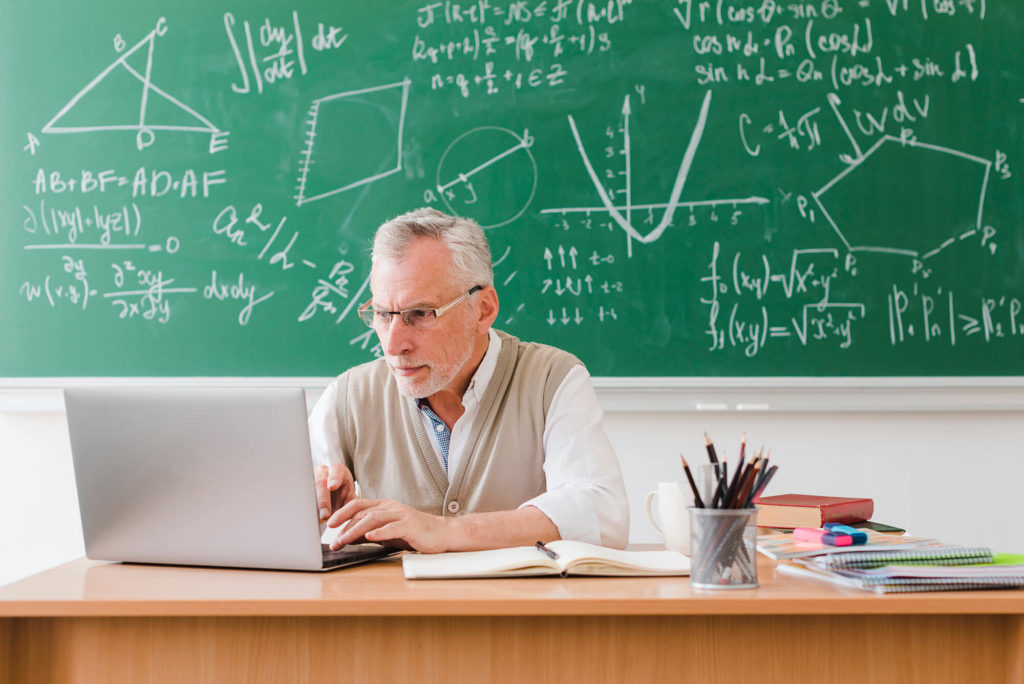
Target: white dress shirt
(585, 497)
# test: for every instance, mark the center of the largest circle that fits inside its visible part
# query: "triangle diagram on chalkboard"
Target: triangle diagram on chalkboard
(122, 97)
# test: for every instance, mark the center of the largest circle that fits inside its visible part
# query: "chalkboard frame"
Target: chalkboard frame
(651, 395)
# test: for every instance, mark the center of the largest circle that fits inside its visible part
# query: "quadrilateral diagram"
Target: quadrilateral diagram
(622, 214)
(352, 139)
(123, 97)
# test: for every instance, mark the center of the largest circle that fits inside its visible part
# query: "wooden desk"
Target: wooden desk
(96, 622)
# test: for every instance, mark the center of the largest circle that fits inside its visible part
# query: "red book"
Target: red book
(805, 510)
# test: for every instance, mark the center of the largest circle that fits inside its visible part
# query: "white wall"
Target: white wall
(952, 475)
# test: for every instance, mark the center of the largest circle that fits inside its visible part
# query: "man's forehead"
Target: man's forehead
(408, 287)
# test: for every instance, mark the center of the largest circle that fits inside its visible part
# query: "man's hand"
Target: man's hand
(335, 487)
(390, 523)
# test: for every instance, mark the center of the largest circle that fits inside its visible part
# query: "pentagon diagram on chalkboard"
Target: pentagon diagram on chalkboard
(352, 138)
(489, 172)
(123, 97)
(906, 197)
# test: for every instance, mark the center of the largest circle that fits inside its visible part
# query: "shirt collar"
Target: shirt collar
(485, 371)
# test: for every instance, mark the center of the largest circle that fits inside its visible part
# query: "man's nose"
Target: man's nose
(395, 337)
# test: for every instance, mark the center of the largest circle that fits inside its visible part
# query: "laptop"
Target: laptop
(200, 476)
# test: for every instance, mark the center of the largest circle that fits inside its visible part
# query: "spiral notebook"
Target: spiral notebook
(884, 571)
(892, 579)
(945, 556)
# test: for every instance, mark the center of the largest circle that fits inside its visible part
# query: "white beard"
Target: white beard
(439, 377)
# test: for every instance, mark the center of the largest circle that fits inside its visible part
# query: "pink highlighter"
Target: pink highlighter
(822, 536)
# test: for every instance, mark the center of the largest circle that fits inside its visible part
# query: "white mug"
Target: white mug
(674, 500)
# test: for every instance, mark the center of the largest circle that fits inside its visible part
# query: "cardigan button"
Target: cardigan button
(454, 507)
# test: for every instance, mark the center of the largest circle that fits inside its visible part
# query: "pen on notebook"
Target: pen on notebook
(551, 554)
(697, 501)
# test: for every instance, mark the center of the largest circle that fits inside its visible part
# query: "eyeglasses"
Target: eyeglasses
(418, 319)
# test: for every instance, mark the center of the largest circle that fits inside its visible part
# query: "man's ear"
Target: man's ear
(488, 309)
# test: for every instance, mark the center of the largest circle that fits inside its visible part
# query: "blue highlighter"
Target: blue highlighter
(859, 536)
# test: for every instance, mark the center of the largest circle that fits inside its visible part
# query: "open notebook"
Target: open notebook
(572, 558)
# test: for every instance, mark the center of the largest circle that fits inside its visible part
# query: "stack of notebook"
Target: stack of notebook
(917, 568)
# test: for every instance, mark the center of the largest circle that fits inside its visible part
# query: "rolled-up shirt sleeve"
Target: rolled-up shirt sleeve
(585, 497)
(323, 428)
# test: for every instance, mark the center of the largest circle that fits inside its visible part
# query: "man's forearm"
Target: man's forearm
(500, 529)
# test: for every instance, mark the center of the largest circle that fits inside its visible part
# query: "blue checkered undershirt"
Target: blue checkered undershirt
(441, 431)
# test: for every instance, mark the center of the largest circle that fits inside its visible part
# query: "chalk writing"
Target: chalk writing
(672, 187)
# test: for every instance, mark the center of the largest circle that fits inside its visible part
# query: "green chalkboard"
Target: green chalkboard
(671, 188)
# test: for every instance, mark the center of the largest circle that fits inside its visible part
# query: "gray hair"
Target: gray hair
(464, 238)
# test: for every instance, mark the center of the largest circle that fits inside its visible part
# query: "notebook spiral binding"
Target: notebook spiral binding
(952, 555)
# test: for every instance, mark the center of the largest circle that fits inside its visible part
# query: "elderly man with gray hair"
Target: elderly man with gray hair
(461, 437)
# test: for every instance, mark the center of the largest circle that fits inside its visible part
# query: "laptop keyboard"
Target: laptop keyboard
(353, 553)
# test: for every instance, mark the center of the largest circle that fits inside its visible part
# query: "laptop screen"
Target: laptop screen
(196, 476)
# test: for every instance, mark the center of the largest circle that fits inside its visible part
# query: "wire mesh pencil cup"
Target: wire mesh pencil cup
(723, 545)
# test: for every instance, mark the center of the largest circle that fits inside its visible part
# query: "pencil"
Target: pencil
(734, 485)
(722, 484)
(734, 492)
(697, 501)
(748, 484)
(710, 448)
(764, 471)
(764, 483)
(764, 463)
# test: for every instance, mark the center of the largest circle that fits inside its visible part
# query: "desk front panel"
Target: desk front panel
(94, 622)
(853, 648)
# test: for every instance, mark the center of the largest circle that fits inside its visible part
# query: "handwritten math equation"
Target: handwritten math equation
(482, 48)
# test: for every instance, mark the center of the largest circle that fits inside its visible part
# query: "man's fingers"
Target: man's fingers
(384, 521)
(337, 473)
(350, 511)
(357, 530)
(393, 530)
(334, 488)
(342, 495)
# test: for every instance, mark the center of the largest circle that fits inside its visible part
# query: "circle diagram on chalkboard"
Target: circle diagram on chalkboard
(488, 173)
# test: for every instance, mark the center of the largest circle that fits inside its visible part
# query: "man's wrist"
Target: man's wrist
(450, 531)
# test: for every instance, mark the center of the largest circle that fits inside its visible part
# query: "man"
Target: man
(461, 437)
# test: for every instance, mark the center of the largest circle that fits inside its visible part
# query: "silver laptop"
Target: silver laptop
(199, 476)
